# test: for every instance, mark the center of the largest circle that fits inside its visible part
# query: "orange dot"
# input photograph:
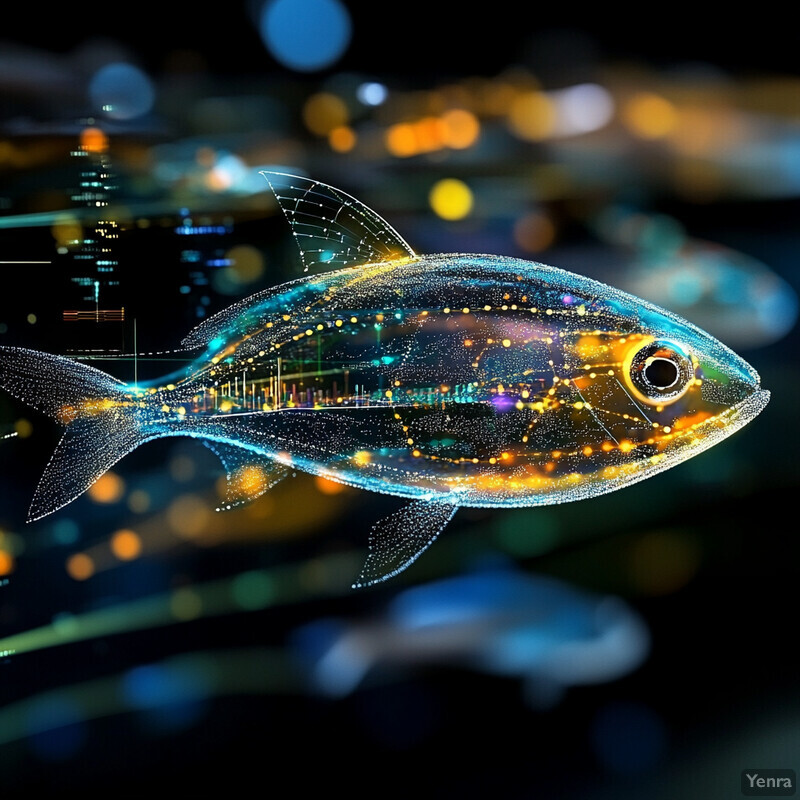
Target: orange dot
(80, 566)
(327, 486)
(108, 488)
(342, 139)
(126, 545)
(6, 562)
(94, 140)
(401, 141)
(460, 128)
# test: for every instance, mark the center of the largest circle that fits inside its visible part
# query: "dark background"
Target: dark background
(721, 680)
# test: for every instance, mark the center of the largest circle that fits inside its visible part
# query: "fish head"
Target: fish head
(581, 388)
(645, 389)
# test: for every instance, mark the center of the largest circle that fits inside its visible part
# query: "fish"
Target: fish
(497, 620)
(450, 380)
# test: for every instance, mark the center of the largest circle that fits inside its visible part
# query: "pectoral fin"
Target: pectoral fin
(249, 474)
(399, 539)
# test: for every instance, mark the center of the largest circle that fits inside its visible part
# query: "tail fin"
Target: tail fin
(100, 417)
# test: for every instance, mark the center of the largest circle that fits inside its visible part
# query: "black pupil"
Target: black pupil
(661, 373)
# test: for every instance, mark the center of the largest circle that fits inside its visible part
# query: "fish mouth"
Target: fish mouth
(719, 427)
(750, 407)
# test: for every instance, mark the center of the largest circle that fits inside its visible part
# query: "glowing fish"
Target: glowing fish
(451, 380)
(501, 622)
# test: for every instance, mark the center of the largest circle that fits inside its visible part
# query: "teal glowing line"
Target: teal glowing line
(245, 671)
(285, 584)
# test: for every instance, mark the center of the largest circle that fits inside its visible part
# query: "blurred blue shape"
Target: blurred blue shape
(122, 91)
(733, 296)
(305, 35)
(500, 622)
(629, 737)
(56, 727)
(171, 697)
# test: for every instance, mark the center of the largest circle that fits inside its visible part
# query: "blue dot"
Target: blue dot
(66, 531)
(305, 35)
(372, 94)
(122, 91)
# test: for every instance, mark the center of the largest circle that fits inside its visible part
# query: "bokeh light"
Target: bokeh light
(305, 35)
(108, 488)
(451, 199)
(126, 545)
(121, 91)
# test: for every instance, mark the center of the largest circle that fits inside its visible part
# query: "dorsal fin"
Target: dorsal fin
(333, 229)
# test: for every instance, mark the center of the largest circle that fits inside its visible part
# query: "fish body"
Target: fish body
(452, 380)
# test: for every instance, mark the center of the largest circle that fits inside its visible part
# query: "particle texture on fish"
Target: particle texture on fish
(451, 380)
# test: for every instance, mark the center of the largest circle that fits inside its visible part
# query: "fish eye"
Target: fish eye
(659, 372)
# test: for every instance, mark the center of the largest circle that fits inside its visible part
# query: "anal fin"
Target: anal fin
(398, 540)
(249, 474)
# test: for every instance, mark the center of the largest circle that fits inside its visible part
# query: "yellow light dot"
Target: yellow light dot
(451, 199)
(80, 566)
(362, 457)
(416, 453)
(342, 139)
(625, 446)
(32, 319)
(323, 112)
(353, 319)
(578, 405)
(650, 116)
(338, 323)
(492, 460)
(108, 488)
(506, 342)
(587, 451)
(126, 545)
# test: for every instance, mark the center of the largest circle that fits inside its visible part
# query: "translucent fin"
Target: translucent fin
(60, 387)
(101, 417)
(249, 474)
(399, 539)
(333, 229)
(88, 448)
